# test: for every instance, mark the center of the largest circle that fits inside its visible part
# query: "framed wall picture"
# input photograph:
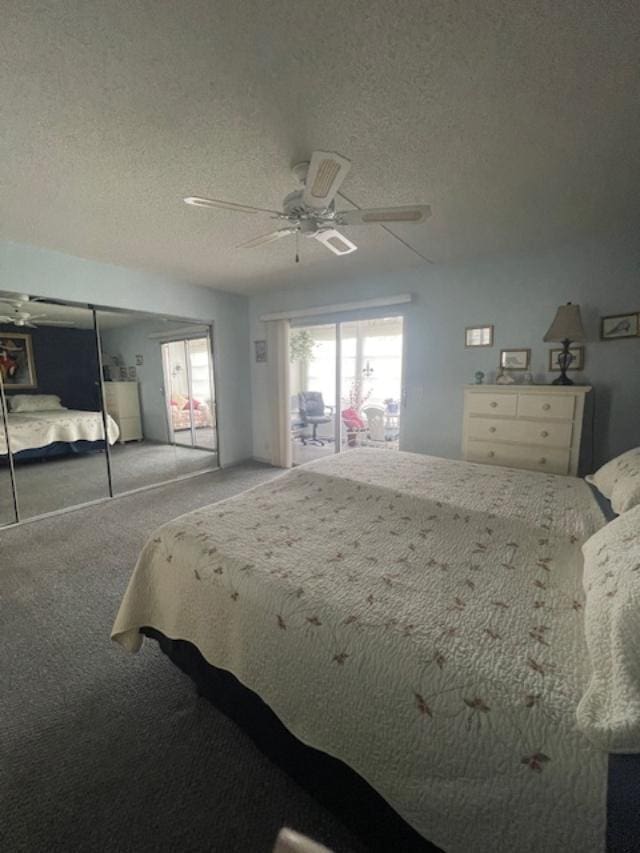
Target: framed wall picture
(619, 326)
(17, 366)
(478, 336)
(515, 359)
(261, 350)
(578, 358)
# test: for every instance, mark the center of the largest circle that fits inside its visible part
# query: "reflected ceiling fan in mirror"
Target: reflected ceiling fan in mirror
(17, 316)
(311, 211)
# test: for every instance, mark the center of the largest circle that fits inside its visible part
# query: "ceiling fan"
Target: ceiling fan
(18, 317)
(310, 211)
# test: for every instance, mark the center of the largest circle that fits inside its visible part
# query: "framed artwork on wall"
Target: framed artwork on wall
(619, 326)
(261, 350)
(478, 336)
(17, 367)
(515, 359)
(578, 358)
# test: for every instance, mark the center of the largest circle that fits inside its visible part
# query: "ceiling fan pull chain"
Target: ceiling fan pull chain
(297, 247)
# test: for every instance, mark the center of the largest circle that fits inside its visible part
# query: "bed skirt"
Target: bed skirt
(338, 788)
(57, 448)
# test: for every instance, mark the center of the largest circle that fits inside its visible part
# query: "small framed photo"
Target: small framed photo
(261, 350)
(478, 336)
(619, 326)
(139, 360)
(132, 373)
(515, 359)
(123, 372)
(578, 358)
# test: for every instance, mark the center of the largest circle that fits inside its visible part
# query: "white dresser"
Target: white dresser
(123, 404)
(538, 427)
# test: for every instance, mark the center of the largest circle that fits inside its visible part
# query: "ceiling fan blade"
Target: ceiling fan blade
(384, 215)
(66, 323)
(197, 201)
(267, 238)
(326, 173)
(335, 241)
(6, 319)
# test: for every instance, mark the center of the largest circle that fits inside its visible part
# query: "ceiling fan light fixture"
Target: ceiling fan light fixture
(325, 176)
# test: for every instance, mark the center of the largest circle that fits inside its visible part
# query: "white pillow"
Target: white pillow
(609, 711)
(34, 403)
(619, 480)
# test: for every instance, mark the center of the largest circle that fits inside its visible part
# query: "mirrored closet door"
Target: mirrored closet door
(159, 391)
(8, 513)
(54, 416)
(97, 402)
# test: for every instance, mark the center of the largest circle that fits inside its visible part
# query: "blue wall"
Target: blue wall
(41, 272)
(66, 364)
(519, 296)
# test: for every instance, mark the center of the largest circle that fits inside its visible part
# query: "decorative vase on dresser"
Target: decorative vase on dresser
(123, 404)
(538, 427)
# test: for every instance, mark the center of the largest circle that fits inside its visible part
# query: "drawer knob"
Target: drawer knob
(543, 461)
(544, 433)
(493, 404)
(491, 454)
(546, 406)
(492, 429)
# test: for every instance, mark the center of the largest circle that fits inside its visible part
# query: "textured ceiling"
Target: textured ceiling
(517, 121)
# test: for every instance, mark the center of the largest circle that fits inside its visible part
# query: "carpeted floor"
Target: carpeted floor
(71, 480)
(103, 751)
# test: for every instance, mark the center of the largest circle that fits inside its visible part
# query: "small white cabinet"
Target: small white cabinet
(123, 404)
(538, 427)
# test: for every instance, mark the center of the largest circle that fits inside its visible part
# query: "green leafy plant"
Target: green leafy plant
(301, 346)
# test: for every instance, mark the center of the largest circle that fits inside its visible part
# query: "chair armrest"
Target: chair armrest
(330, 408)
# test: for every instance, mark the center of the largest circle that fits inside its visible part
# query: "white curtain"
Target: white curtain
(279, 392)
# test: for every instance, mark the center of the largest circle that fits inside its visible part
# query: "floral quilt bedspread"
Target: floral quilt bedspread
(438, 650)
(549, 501)
(38, 429)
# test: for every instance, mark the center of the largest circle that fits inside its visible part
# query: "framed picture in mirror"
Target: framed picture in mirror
(17, 366)
(478, 336)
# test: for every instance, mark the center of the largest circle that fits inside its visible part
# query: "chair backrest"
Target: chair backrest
(375, 420)
(289, 841)
(311, 404)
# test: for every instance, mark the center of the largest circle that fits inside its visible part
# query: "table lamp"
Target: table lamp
(566, 329)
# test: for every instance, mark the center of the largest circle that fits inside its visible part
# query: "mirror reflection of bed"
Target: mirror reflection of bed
(55, 374)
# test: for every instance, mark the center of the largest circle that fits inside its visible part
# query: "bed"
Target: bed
(43, 434)
(419, 619)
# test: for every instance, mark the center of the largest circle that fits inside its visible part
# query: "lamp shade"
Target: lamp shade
(567, 324)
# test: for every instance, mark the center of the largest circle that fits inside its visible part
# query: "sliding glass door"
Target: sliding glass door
(351, 375)
(189, 390)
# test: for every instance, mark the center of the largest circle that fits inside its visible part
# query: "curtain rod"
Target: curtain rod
(377, 302)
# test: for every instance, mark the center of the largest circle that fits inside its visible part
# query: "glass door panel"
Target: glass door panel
(313, 418)
(371, 382)
(190, 392)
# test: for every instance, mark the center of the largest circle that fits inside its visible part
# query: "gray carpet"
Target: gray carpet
(104, 751)
(71, 480)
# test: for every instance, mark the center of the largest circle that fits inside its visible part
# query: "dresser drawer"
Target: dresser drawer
(130, 429)
(546, 406)
(554, 461)
(493, 404)
(545, 434)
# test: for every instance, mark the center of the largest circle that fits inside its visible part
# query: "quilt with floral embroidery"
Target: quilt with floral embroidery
(436, 649)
